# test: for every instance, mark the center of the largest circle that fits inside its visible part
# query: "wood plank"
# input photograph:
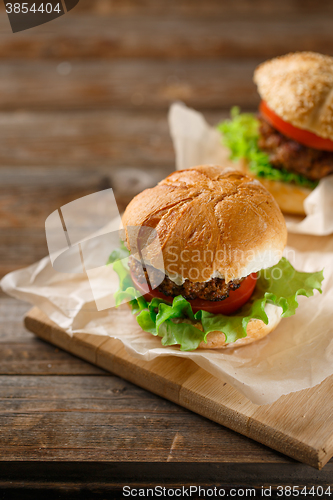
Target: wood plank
(87, 140)
(102, 141)
(292, 425)
(108, 419)
(22, 354)
(11, 315)
(163, 34)
(90, 141)
(38, 358)
(20, 248)
(127, 84)
(27, 195)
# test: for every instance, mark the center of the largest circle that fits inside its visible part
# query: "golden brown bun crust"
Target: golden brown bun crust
(289, 197)
(299, 88)
(256, 330)
(210, 219)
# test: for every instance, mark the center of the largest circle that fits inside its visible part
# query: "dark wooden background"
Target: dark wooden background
(83, 106)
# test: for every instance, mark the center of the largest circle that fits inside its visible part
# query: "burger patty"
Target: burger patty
(215, 289)
(314, 164)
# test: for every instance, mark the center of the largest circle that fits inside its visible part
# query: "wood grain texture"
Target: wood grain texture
(132, 84)
(105, 419)
(29, 359)
(27, 194)
(162, 33)
(86, 140)
(95, 145)
(11, 314)
(293, 425)
(22, 354)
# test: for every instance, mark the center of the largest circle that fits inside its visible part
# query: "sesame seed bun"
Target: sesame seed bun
(211, 221)
(298, 87)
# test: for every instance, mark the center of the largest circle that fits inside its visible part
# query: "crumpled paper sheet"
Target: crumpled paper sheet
(197, 143)
(297, 355)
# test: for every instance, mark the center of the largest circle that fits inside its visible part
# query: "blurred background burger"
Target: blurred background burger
(289, 144)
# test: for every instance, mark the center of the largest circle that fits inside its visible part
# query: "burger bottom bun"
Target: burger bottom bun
(256, 330)
(289, 197)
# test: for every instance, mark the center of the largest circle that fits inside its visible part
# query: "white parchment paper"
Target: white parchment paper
(297, 355)
(197, 143)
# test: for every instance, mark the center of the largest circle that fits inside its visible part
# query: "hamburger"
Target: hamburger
(289, 144)
(220, 278)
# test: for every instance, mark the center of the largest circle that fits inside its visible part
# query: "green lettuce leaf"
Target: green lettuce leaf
(118, 254)
(240, 135)
(177, 325)
(119, 261)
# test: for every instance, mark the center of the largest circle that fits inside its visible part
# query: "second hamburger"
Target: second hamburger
(289, 146)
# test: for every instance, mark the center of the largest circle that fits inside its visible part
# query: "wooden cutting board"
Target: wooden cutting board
(299, 425)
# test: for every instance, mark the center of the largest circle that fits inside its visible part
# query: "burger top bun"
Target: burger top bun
(298, 87)
(211, 222)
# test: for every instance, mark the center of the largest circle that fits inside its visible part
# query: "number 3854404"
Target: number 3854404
(23, 8)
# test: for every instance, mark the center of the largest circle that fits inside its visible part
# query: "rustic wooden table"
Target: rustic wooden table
(83, 106)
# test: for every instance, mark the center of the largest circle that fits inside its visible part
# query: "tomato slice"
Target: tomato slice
(302, 136)
(237, 298)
